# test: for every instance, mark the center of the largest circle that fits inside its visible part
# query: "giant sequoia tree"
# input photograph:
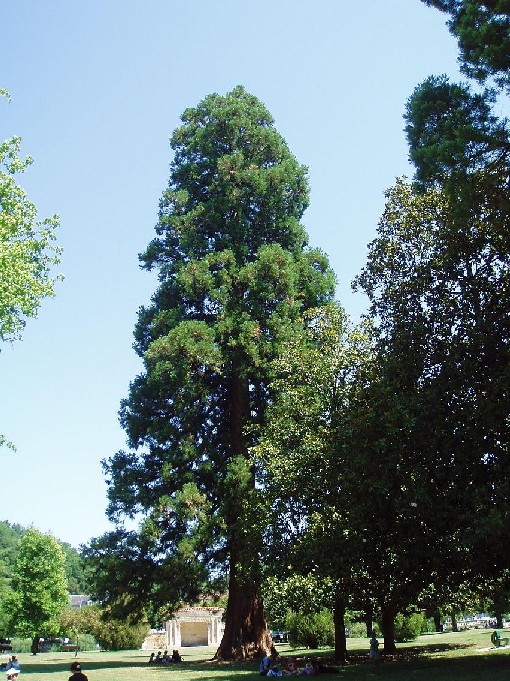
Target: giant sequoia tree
(235, 275)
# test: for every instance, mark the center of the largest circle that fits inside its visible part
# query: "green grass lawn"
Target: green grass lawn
(464, 656)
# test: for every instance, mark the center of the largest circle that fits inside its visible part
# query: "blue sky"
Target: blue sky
(97, 88)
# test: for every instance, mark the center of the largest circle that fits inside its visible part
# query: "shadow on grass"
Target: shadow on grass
(200, 667)
(416, 662)
(51, 667)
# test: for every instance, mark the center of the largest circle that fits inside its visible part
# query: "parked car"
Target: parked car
(5, 645)
(279, 636)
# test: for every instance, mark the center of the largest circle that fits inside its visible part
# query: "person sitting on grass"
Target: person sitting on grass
(13, 669)
(308, 669)
(290, 667)
(374, 649)
(176, 657)
(266, 664)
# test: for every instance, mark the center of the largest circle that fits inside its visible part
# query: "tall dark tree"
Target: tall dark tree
(428, 281)
(453, 133)
(437, 276)
(461, 148)
(235, 275)
(482, 28)
(346, 478)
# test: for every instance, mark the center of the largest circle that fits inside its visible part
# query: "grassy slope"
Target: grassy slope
(465, 656)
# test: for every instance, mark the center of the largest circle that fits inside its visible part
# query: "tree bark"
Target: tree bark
(340, 638)
(369, 620)
(388, 613)
(454, 621)
(437, 621)
(246, 634)
(35, 645)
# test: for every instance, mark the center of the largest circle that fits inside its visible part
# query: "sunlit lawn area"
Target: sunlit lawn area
(464, 656)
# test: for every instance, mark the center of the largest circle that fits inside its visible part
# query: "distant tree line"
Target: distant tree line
(10, 536)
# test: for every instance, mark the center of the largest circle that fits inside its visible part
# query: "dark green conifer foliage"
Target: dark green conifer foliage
(235, 275)
(482, 28)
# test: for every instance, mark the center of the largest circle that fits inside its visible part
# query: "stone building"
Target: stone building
(194, 627)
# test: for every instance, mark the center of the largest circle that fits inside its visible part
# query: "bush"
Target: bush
(357, 630)
(87, 642)
(21, 645)
(117, 635)
(408, 627)
(108, 632)
(313, 630)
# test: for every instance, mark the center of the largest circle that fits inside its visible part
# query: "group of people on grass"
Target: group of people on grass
(174, 658)
(12, 670)
(272, 665)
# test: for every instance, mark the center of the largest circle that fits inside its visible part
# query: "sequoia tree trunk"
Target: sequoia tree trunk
(246, 634)
(369, 620)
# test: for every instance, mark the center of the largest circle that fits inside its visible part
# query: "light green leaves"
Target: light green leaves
(27, 250)
(39, 586)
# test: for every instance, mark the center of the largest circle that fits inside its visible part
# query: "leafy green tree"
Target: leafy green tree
(109, 632)
(27, 251)
(10, 537)
(462, 148)
(235, 276)
(75, 570)
(307, 454)
(298, 593)
(39, 587)
(435, 286)
(482, 28)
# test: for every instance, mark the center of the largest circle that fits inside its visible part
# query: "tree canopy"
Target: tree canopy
(482, 29)
(39, 591)
(10, 537)
(369, 462)
(235, 274)
(27, 250)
